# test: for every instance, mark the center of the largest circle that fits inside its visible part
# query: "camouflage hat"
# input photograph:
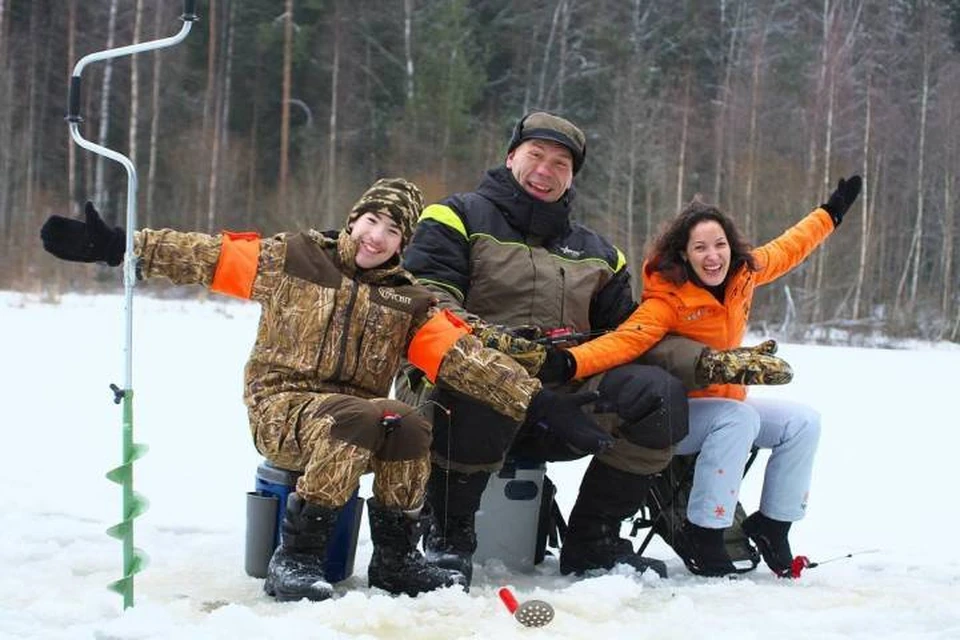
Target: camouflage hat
(396, 197)
(545, 126)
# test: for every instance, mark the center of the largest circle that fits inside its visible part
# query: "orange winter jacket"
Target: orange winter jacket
(691, 311)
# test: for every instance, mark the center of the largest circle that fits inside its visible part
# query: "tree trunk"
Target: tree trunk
(912, 263)
(27, 150)
(753, 135)
(154, 119)
(332, 134)
(684, 132)
(228, 78)
(285, 105)
(6, 130)
(865, 221)
(135, 85)
(71, 60)
(216, 131)
(812, 278)
(946, 263)
(821, 255)
(562, 60)
(921, 152)
(724, 95)
(252, 179)
(541, 92)
(99, 183)
(408, 48)
(201, 186)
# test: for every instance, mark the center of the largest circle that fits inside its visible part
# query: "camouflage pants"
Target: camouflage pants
(334, 439)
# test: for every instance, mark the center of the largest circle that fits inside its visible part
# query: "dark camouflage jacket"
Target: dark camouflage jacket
(327, 327)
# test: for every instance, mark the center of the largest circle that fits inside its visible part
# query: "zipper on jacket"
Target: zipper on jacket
(346, 331)
(563, 295)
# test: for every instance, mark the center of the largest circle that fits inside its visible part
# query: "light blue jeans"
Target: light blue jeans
(723, 431)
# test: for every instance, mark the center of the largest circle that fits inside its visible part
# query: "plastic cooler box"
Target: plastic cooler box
(266, 505)
(508, 520)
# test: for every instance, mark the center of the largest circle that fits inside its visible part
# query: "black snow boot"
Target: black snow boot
(396, 565)
(607, 497)
(453, 500)
(296, 568)
(703, 551)
(770, 536)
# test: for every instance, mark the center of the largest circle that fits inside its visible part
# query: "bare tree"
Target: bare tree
(285, 104)
(71, 57)
(685, 108)
(408, 47)
(912, 264)
(99, 185)
(135, 85)
(154, 117)
(332, 135)
(724, 93)
(865, 219)
(557, 12)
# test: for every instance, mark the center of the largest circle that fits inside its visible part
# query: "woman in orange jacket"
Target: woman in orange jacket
(698, 282)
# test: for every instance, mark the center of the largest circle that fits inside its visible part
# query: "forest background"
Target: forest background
(276, 114)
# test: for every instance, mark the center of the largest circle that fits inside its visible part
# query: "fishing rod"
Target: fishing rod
(134, 504)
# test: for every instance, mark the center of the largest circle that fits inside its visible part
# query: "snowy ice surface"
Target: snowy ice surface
(882, 484)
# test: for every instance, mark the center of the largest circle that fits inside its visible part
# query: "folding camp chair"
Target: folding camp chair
(665, 509)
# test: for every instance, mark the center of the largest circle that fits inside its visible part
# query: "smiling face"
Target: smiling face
(543, 168)
(708, 252)
(378, 239)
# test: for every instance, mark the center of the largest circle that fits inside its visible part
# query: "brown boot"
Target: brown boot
(743, 365)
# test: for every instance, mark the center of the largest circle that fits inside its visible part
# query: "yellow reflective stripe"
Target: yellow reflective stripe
(621, 261)
(444, 215)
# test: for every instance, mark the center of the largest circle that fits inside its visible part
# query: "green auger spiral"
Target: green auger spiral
(134, 504)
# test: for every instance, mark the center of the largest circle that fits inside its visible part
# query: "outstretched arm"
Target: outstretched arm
(229, 263)
(446, 350)
(791, 248)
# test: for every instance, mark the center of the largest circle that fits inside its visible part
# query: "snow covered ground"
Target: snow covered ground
(882, 484)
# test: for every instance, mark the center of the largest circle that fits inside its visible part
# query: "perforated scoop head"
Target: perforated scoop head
(534, 613)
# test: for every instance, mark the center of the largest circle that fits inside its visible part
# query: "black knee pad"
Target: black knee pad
(651, 404)
(469, 432)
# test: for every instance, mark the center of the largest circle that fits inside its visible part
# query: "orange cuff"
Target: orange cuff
(237, 266)
(433, 340)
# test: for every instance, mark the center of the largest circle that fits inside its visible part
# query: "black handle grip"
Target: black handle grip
(73, 100)
(189, 11)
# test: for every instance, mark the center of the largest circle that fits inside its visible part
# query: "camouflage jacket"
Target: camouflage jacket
(327, 327)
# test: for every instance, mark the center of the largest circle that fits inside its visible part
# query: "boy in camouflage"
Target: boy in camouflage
(338, 313)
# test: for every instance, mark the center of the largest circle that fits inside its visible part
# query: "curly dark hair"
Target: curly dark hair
(666, 252)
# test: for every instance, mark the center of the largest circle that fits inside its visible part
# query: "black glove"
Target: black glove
(561, 414)
(841, 199)
(90, 241)
(558, 366)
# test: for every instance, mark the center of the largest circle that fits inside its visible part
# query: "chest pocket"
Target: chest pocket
(385, 319)
(292, 328)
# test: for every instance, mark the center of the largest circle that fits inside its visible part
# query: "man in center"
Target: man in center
(509, 254)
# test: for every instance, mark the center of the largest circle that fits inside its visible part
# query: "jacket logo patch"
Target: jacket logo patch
(391, 295)
(570, 253)
(694, 315)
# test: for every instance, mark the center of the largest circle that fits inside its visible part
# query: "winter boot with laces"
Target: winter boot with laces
(770, 536)
(451, 538)
(396, 565)
(704, 552)
(607, 497)
(296, 567)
